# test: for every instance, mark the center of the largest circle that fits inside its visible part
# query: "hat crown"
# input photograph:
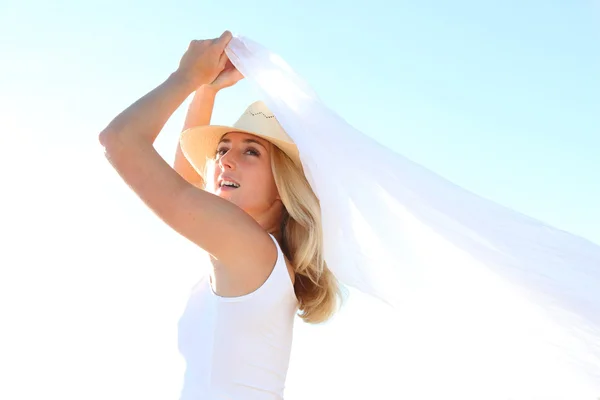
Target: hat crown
(199, 144)
(258, 118)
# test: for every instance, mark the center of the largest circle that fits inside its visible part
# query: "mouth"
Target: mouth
(227, 184)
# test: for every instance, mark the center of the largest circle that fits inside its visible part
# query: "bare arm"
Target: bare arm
(198, 114)
(214, 224)
(201, 107)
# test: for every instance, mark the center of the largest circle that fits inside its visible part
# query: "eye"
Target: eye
(253, 152)
(221, 151)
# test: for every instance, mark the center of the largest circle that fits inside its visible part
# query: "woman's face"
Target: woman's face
(243, 173)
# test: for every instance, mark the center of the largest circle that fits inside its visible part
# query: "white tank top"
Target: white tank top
(238, 347)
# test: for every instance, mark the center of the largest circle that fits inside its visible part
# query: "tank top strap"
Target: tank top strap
(280, 272)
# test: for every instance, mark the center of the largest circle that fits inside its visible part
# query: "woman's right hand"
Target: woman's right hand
(204, 60)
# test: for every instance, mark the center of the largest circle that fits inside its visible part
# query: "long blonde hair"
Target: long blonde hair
(316, 287)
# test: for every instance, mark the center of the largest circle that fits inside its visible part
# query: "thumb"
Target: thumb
(223, 60)
(224, 39)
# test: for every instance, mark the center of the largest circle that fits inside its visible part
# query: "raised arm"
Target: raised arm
(199, 114)
(211, 222)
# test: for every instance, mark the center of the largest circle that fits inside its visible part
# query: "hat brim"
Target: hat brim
(199, 144)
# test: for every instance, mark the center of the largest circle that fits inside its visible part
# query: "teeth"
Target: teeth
(230, 184)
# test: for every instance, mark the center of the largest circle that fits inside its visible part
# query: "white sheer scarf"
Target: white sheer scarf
(398, 231)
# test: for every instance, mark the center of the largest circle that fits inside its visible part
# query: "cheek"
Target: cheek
(274, 191)
(264, 187)
(271, 189)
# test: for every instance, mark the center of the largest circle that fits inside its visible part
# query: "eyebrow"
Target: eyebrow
(245, 141)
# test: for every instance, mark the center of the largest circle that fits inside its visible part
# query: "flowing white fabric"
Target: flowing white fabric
(397, 231)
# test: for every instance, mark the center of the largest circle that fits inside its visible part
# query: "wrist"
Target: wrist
(208, 89)
(188, 82)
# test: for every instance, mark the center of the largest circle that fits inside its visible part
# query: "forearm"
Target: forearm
(141, 122)
(201, 108)
(185, 169)
(198, 114)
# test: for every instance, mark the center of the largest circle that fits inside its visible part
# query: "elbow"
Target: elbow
(119, 140)
(106, 137)
(103, 138)
(112, 142)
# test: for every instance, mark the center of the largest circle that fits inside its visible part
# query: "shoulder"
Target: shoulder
(246, 271)
(241, 280)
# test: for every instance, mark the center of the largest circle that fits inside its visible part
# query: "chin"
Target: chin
(229, 196)
(224, 195)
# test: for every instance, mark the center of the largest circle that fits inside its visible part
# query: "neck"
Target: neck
(270, 221)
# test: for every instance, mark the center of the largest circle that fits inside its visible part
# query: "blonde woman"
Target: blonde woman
(240, 194)
(507, 295)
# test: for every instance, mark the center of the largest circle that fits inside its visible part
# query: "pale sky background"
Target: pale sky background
(502, 98)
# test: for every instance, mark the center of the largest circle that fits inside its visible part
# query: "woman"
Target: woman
(488, 298)
(258, 219)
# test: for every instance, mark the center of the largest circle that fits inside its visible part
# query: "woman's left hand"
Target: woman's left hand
(228, 77)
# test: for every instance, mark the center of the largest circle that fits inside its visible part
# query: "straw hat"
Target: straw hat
(200, 143)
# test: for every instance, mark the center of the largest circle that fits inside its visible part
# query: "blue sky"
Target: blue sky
(500, 97)
(503, 98)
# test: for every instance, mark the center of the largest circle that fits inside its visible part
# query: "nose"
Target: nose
(227, 161)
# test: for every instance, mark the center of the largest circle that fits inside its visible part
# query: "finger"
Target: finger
(224, 39)
(224, 60)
